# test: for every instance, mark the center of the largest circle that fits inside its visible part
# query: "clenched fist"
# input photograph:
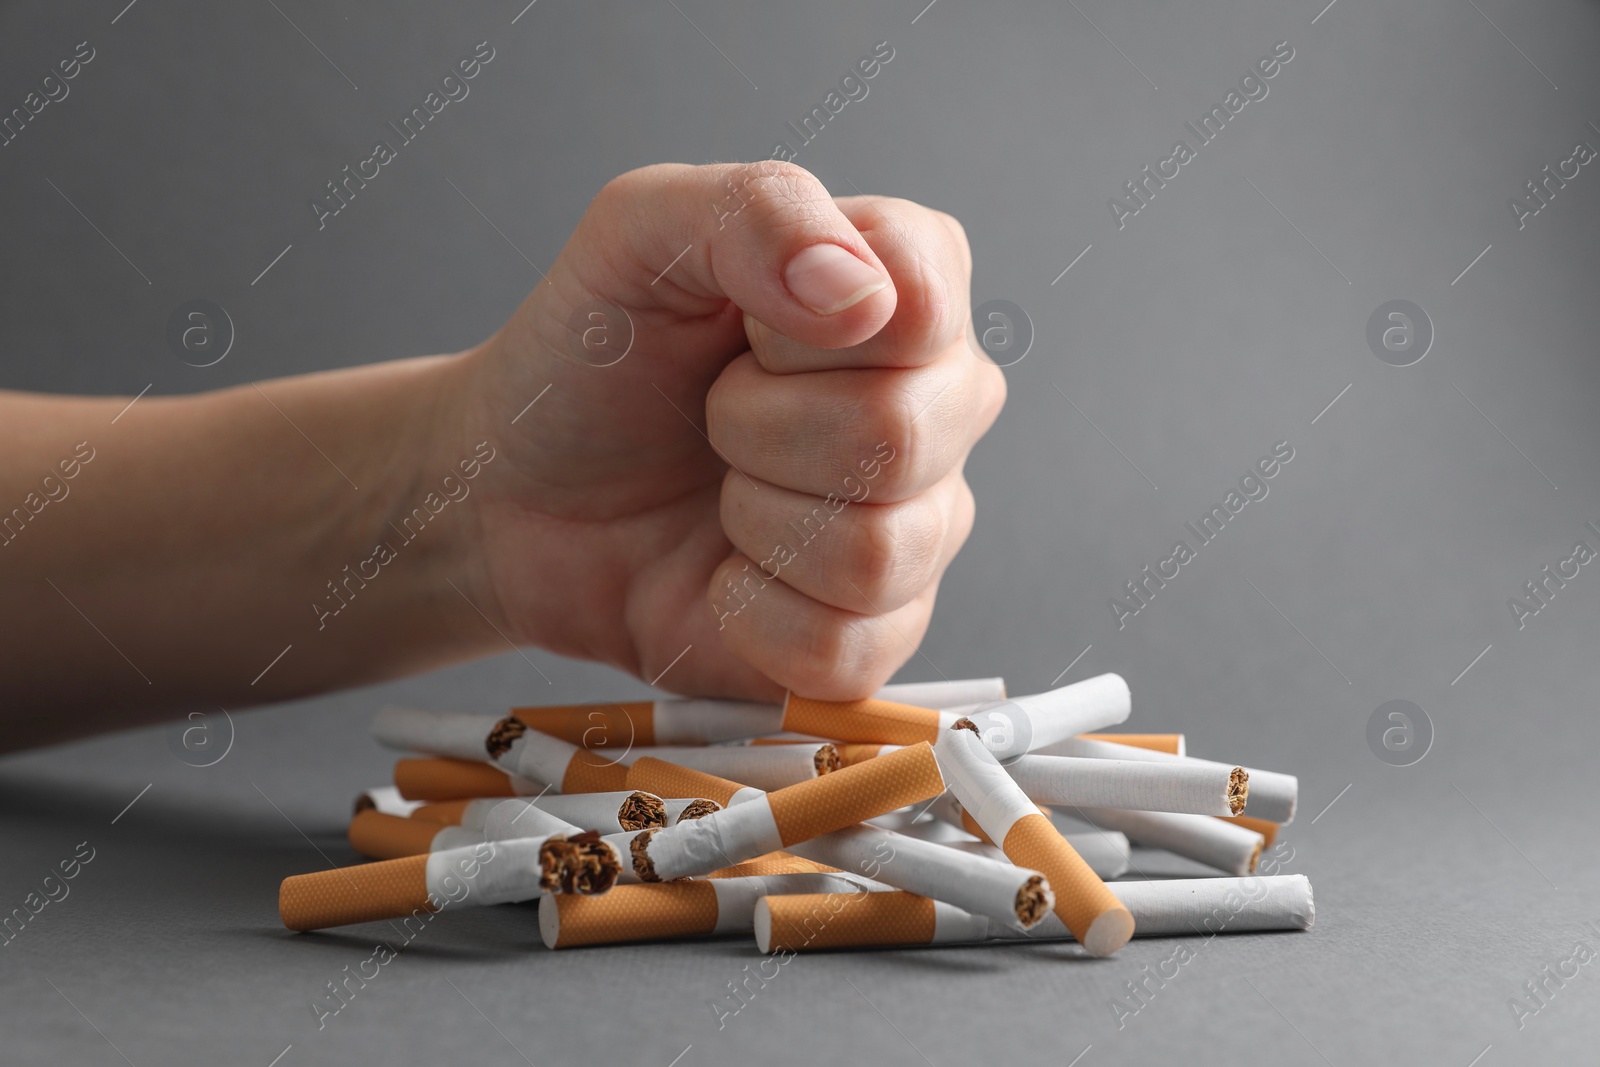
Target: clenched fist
(760, 400)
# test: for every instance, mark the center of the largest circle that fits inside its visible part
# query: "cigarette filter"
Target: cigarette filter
(765, 767)
(1008, 728)
(1219, 843)
(688, 908)
(787, 816)
(1105, 851)
(491, 872)
(1198, 906)
(1093, 914)
(1172, 744)
(773, 863)
(385, 837)
(385, 798)
(671, 780)
(988, 886)
(1273, 796)
(450, 779)
(1199, 788)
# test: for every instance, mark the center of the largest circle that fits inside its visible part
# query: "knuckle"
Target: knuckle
(842, 661)
(893, 552)
(893, 438)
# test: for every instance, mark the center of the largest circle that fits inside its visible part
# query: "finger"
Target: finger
(867, 558)
(766, 236)
(926, 254)
(901, 431)
(808, 646)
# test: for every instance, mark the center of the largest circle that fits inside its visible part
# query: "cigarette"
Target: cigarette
(709, 722)
(517, 817)
(1009, 728)
(567, 768)
(1266, 828)
(1273, 796)
(948, 809)
(1090, 910)
(1198, 788)
(671, 780)
(491, 872)
(765, 767)
(508, 743)
(385, 837)
(652, 722)
(450, 779)
(608, 812)
(1197, 906)
(687, 809)
(690, 908)
(941, 694)
(1105, 851)
(985, 885)
(1219, 843)
(387, 799)
(1172, 744)
(773, 863)
(788, 816)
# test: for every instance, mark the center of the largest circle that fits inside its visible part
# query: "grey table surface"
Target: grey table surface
(1228, 315)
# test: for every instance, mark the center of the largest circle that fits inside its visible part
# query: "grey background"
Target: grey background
(1195, 338)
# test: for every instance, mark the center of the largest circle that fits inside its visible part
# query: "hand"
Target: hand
(772, 475)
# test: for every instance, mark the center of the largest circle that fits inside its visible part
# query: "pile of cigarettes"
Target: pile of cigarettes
(927, 814)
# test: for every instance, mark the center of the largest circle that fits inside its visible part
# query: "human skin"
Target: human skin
(209, 533)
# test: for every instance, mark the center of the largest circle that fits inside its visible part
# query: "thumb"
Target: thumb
(766, 236)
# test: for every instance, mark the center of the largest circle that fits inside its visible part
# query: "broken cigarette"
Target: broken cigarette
(787, 816)
(1105, 851)
(1198, 788)
(689, 908)
(387, 799)
(1172, 744)
(766, 767)
(1008, 728)
(1090, 910)
(491, 872)
(385, 837)
(673, 781)
(451, 779)
(1273, 795)
(1197, 906)
(987, 886)
(708, 722)
(1219, 843)
(605, 812)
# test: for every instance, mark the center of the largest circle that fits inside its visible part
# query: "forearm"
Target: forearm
(197, 538)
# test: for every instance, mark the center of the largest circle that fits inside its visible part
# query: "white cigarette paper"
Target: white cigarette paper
(1028, 723)
(982, 884)
(1200, 907)
(1213, 842)
(1273, 795)
(1201, 789)
(387, 799)
(459, 735)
